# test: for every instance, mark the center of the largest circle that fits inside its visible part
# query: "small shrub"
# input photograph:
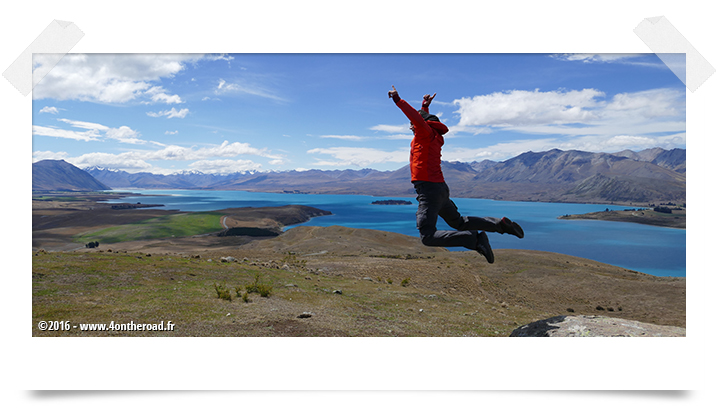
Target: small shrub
(265, 290)
(246, 297)
(405, 282)
(253, 287)
(256, 287)
(223, 292)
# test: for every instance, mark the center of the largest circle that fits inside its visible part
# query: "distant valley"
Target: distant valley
(649, 176)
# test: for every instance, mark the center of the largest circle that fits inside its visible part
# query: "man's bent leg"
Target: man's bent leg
(449, 212)
(432, 197)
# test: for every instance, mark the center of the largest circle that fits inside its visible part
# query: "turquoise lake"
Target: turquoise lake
(648, 249)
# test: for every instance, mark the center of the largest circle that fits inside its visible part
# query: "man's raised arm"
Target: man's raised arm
(413, 115)
(426, 102)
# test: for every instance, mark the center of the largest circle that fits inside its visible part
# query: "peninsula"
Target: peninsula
(657, 216)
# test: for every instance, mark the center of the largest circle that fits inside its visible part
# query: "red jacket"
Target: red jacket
(425, 149)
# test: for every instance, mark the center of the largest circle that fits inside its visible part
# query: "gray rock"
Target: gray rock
(594, 326)
(227, 259)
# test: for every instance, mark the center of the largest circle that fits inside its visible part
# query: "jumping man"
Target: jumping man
(433, 194)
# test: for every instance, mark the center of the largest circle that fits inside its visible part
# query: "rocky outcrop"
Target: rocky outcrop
(594, 326)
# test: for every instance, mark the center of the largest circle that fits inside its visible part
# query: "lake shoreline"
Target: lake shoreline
(673, 220)
(650, 249)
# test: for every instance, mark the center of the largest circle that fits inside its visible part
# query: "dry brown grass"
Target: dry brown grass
(353, 289)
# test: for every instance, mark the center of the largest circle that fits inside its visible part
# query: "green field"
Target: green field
(176, 225)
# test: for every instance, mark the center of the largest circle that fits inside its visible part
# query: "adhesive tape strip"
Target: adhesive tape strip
(57, 39)
(666, 42)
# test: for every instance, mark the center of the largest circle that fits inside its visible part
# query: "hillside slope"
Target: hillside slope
(336, 281)
(58, 175)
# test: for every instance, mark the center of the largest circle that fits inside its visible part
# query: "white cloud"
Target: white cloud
(359, 156)
(49, 110)
(574, 113)
(95, 132)
(42, 155)
(92, 135)
(109, 160)
(157, 94)
(124, 134)
(83, 124)
(225, 166)
(395, 129)
(224, 57)
(244, 87)
(227, 149)
(139, 159)
(341, 137)
(171, 113)
(589, 58)
(171, 132)
(108, 78)
(649, 104)
(519, 107)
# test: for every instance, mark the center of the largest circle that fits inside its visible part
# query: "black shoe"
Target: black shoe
(483, 247)
(508, 226)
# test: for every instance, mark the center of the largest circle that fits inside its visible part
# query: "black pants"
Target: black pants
(433, 201)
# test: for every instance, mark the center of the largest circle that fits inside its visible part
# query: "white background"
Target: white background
(437, 364)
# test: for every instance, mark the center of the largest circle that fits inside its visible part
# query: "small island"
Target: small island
(672, 217)
(392, 202)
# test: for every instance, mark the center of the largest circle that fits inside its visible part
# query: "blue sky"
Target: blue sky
(223, 113)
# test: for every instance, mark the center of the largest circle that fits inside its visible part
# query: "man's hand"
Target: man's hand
(427, 99)
(394, 95)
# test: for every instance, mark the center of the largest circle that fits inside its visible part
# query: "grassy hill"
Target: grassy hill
(338, 281)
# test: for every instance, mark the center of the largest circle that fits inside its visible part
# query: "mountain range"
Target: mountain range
(58, 175)
(652, 175)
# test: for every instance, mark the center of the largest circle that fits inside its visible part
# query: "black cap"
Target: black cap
(428, 117)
